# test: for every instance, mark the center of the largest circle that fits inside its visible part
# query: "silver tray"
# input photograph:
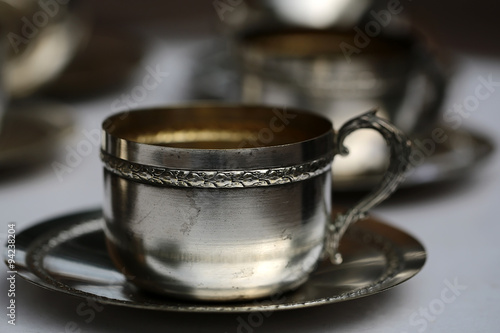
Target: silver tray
(68, 254)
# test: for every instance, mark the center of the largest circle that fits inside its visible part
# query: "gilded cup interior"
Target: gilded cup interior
(216, 127)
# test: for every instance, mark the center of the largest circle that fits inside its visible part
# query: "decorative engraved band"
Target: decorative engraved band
(215, 179)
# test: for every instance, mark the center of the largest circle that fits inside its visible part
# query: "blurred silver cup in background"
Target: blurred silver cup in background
(328, 71)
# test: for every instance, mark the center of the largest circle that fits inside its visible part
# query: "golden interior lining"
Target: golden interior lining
(203, 139)
(215, 127)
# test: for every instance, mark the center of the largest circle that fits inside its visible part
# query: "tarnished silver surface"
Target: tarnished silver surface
(200, 204)
(69, 255)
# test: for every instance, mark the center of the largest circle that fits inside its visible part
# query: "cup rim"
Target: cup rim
(316, 144)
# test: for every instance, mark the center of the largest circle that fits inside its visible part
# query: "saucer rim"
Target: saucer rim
(53, 227)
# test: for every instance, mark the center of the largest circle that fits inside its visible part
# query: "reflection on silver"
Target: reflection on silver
(69, 255)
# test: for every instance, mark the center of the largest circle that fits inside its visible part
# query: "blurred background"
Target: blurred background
(66, 67)
(319, 55)
(463, 25)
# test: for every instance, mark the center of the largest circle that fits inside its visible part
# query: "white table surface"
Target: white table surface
(459, 226)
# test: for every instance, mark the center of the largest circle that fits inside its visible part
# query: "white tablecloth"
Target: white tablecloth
(458, 290)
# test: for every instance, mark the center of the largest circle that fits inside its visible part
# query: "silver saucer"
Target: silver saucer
(68, 255)
(452, 160)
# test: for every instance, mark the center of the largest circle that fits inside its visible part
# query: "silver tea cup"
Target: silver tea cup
(226, 203)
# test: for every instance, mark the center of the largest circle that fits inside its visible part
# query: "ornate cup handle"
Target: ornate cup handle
(401, 148)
